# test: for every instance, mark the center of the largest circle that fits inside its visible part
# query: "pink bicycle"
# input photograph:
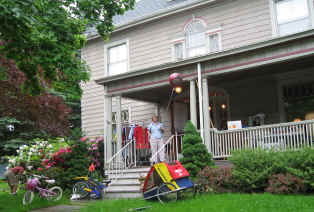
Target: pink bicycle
(54, 193)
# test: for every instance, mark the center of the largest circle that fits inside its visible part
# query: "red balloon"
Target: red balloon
(175, 79)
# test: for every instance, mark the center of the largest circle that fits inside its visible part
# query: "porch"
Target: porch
(256, 85)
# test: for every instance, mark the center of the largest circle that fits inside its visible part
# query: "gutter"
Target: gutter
(158, 15)
(189, 61)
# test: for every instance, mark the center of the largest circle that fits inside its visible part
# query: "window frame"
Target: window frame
(173, 50)
(187, 49)
(106, 55)
(274, 20)
(217, 32)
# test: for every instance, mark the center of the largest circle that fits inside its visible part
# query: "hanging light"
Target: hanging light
(210, 108)
(178, 89)
(223, 106)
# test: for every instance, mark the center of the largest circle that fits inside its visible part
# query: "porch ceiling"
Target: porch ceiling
(160, 94)
(269, 71)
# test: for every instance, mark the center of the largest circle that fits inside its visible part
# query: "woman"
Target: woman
(155, 135)
(12, 176)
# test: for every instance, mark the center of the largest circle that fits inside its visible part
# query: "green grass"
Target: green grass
(10, 203)
(214, 203)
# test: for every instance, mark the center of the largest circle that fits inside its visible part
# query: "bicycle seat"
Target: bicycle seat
(50, 181)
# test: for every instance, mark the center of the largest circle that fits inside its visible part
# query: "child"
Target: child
(12, 176)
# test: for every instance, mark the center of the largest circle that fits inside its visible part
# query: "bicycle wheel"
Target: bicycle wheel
(28, 197)
(187, 193)
(79, 188)
(166, 193)
(54, 194)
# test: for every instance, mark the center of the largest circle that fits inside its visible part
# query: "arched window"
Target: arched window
(195, 38)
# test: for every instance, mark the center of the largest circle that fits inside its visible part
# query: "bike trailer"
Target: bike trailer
(175, 176)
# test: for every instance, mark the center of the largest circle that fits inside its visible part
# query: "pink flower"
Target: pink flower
(84, 138)
(61, 150)
(39, 169)
(45, 161)
(68, 150)
(91, 141)
(48, 166)
(99, 139)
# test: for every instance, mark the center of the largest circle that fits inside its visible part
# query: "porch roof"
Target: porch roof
(208, 57)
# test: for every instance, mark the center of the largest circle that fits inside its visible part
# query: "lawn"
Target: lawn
(10, 203)
(214, 203)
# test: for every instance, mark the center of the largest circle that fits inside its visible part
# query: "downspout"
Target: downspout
(200, 96)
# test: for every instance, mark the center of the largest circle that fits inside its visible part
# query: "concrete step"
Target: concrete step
(125, 182)
(128, 176)
(122, 195)
(123, 189)
(133, 170)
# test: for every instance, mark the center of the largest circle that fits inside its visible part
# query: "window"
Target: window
(292, 16)
(117, 59)
(178, 51)
(125, 117)
(214, 42)
(195, 39)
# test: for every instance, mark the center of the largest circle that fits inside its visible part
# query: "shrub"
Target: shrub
(217, 179)
(74, 163)
(195, 153)
(253, 169)
(284, 184)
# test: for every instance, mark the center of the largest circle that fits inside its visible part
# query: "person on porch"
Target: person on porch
(155, 135)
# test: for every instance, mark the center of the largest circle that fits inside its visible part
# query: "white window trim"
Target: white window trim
(273, 14)
(211, 32)
(180, 40)
(113, 44)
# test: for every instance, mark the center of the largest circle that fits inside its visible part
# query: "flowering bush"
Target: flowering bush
(95, 150)
(217, 179)
(32, 155)
(284, 184)
(61, 160)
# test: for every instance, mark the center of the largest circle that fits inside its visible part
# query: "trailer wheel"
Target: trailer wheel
(167, 193)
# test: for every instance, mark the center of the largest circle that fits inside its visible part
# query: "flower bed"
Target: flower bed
(60, 159)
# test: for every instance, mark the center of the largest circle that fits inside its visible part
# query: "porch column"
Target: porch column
(206, 114)
(193, 103)
(119, 125)
(107, 128)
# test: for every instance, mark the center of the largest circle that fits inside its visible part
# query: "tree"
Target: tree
(195, 153)
(43, 37)
(32, 116)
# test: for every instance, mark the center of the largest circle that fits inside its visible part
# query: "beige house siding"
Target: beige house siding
(242, 22)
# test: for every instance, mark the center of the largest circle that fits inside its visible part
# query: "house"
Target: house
(240, 60)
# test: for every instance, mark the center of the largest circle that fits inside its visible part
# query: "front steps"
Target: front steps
(127, 185)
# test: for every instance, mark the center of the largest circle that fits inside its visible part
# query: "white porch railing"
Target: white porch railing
(292, 135)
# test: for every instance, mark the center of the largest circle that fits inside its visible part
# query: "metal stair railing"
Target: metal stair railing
(124, 159)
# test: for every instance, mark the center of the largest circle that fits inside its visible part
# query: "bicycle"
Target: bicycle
(54, 193)
(88, 186)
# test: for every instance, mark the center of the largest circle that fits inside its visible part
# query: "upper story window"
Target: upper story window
(117, 60)
(195, 38)
(292, 16)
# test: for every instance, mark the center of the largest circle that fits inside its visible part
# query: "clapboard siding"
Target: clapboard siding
(242, 22)
(93, 94)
